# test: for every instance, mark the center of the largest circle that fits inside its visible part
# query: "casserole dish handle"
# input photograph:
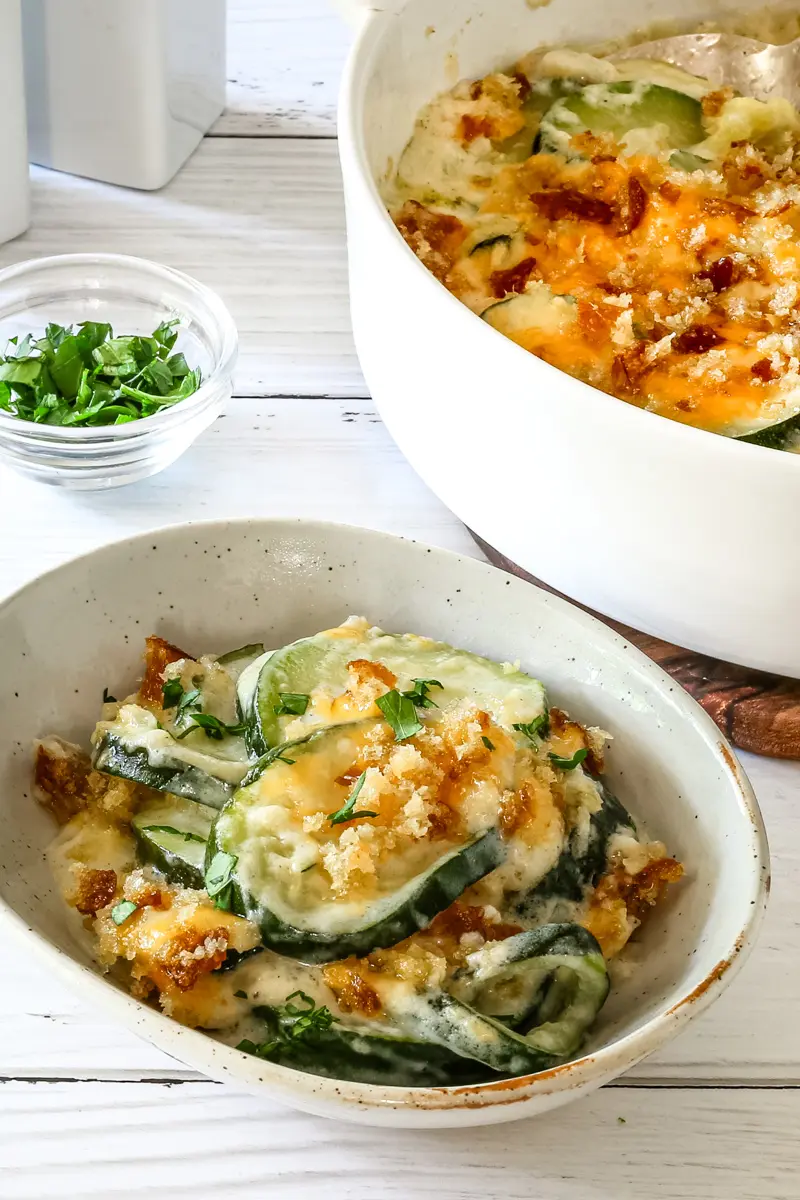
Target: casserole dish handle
(355, 12)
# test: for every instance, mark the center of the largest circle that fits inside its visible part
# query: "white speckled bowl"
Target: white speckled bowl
(213, 586)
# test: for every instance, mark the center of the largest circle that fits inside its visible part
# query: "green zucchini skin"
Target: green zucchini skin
(566, 952)
(361, 1056)
(783, 435)
(422, 900)
(304, 665)
(610, 108)
(236, 661)
(178, 856)
(112, 758)
(576, 870)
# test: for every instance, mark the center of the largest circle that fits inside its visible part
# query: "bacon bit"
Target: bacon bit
(632, 203)
(713, 102)
(627, 370)
(470, 128)
(524, 86)
(566, 204)
(95, 890)
(177, 960)
(592, 321)
(642, 891)
(698, 339)
(461, 918)
(763, 370)
(158, 655)
(670, 191)
(514, 279)
(720, 274)
(352, 992)
(62, 779)
(434, 237)
(715, 206)
(365, 670)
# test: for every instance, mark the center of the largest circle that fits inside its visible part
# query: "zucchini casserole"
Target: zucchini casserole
(625, 222)
(363, 855)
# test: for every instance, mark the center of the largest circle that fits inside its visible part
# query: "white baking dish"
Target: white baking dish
(678, 532)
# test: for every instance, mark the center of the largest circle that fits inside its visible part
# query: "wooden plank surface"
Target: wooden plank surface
(199, 1140)
(284, 62)
(257, 214)
(259, 220)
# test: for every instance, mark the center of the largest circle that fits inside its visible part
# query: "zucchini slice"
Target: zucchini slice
(584, 859)
(317, 667)
(556, 974)
(367, 1055)
(672, 120)
(135, 747)
(535, 309)
(236, 661)
(278, 877)
(171, 834)
(782, 435)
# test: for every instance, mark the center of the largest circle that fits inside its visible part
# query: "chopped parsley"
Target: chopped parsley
(569, 764)
(398, 709)
(488, 743)
(240, 995)
(108, 698)
(84, 376)
(291, 1023)
(122, 910)
(419, 693)
(346, 812)
(173, 693)
(291, 704)
(211, 726)
(536, 729)
(218, 878)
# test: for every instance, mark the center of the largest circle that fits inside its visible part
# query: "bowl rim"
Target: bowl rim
(37, 432)
(588, 1070)
(356, 171)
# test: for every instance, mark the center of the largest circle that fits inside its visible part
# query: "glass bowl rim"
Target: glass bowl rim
(142, 426)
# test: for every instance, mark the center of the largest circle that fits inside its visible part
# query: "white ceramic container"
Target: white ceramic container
(15, 191)
(122, 90)
(212, 586)
(672, 530)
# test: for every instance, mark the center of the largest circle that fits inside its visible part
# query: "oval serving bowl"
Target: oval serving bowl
(80, 627)
(674, 531)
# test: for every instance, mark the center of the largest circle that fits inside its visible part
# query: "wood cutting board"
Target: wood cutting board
(755, 710)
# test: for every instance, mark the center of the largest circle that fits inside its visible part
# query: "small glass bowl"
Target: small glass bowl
(133, 296)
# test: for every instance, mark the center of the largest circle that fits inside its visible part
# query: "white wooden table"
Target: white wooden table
(87, 1109)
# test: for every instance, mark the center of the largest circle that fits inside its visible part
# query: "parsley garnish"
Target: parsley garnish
(172, 691)
(181, 833)
(85, 376)
(240, 995)
(291, 703)
(488, 743)
(211, 726)
(398, 708)
(218, 878)
(108, 698)
(535, 729)
(346, 812)
(419, 693)
(276, 754)
(568, 764)
(122, 910)
(294, 1024)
